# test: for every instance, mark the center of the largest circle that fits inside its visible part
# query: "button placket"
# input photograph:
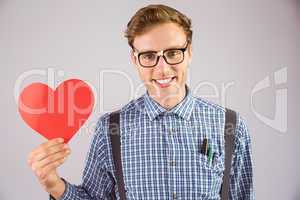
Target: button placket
(174, 195)
(171, 153)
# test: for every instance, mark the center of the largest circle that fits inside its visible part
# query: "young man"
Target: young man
(161, 132)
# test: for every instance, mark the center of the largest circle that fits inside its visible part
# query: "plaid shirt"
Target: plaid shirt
(161, 154)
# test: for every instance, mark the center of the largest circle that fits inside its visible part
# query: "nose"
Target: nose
(162, 64)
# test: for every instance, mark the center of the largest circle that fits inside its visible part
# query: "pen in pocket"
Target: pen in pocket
(213, 158)
(204, 146)
(209, 155)
(207, 150)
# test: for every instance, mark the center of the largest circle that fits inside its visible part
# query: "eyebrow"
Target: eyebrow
(170, 48)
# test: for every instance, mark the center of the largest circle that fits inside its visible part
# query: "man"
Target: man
(161, 132)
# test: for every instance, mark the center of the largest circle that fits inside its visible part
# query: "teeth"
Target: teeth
(163, 81)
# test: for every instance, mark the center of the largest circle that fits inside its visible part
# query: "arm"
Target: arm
(241, 181)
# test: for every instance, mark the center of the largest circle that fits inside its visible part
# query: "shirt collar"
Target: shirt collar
(183, 109)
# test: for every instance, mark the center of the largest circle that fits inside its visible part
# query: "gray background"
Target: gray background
(234, 41)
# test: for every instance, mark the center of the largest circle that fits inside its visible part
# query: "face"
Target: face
(163, 80)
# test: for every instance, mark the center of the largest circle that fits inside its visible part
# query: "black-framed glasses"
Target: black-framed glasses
(172, 56)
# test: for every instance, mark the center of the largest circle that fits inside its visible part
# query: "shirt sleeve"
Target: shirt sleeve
(241, 181)
(97, 183)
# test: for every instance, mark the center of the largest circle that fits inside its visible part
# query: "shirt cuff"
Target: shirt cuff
(67, 193)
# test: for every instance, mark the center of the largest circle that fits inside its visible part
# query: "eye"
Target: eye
(173, 53)
(148, 56)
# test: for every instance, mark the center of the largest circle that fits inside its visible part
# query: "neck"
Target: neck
(169, 101)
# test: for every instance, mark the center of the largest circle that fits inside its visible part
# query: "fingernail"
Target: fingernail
(60, 139)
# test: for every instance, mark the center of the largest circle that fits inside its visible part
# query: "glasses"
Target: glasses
(171, 56)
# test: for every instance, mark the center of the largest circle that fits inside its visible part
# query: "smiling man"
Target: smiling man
(161, 133)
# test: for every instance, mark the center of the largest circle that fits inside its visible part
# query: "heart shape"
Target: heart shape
(58, 113)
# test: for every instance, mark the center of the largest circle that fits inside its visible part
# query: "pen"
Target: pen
(204, 146)
(213, 157)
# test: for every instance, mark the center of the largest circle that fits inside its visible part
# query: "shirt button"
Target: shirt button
(173, 163)
(174, 195)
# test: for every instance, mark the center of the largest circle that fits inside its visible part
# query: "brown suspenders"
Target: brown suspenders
(114, 133)
(229, 133)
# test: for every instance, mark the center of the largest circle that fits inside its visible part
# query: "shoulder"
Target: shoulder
(242, 130)
(209, 112)
(206, 105)
(210, 108)
(136, 105)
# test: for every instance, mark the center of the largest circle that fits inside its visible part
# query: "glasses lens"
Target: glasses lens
(174, 56)
(148, 59)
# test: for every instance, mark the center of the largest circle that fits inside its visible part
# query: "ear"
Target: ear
(190, 51)
(133, 58)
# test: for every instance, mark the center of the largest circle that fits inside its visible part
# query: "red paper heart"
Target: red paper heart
(58, 113)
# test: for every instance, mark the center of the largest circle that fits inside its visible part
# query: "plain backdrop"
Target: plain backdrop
(238, 45)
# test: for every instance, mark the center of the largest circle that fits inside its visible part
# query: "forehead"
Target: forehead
(160, 37)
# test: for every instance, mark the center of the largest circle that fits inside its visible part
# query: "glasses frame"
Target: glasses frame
(160, 54)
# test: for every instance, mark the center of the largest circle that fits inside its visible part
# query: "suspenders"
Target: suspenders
(114, 133)
(229, 132)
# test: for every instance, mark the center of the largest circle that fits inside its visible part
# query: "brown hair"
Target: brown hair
(151, 15)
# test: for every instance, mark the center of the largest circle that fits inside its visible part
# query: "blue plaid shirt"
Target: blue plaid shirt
(161, 154)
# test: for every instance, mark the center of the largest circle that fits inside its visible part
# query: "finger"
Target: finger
(52, 142)
(45, 145)
(42, 154)
(43, 172)
(50, 159)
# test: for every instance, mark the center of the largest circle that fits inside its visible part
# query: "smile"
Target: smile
(163, 83)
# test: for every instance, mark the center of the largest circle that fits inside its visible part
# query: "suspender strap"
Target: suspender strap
(114, 131)
(229, 133)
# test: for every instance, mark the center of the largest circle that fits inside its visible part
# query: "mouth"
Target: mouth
(166, 82)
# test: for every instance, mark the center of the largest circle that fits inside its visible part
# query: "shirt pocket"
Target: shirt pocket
(209, 177)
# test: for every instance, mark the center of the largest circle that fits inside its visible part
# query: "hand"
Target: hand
(44, 161)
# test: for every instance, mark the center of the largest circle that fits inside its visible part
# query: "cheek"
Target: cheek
(181, 71)
(145, 74)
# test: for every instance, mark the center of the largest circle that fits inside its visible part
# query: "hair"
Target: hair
(152, 15)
